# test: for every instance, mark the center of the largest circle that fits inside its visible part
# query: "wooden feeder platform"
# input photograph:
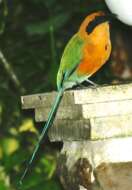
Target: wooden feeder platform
(95, 126)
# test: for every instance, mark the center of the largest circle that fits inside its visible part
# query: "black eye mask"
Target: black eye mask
(99, 20)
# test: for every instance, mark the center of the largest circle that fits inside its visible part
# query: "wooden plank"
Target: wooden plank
(107, 109)
(70, 130)
(91, 129)
(104, 94)
(68, 112)
(45, 100)
(87, 111)
(111, 127)
(83, 96)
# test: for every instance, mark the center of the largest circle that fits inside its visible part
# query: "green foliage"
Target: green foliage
(3, 14)
(43, 28)
(33, 36)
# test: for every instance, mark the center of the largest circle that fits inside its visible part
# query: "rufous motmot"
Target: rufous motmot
(86, 52)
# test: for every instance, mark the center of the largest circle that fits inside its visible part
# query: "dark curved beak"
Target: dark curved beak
(111, 16)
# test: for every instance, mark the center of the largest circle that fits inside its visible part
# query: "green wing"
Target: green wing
(71, 58)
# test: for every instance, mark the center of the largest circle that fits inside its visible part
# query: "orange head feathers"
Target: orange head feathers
(94, 30)
(93, 26)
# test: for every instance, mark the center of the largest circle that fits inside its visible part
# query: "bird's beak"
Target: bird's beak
(111, 16)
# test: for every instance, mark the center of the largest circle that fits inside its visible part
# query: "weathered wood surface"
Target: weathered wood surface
(95, 126)
(103, 151)
(89, 113)
(84, 96)
(97, 165)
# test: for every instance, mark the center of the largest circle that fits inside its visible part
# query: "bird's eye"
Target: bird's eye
(95, 22)
(106, 46)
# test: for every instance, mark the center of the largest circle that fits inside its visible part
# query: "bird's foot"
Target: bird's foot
(93, 85)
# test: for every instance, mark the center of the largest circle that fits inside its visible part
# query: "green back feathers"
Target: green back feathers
(71, 58)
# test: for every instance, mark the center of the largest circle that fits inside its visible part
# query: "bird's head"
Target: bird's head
(94, 26)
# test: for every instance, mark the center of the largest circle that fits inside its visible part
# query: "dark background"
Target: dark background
(33, 34)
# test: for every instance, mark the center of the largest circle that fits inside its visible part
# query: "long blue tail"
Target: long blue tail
(45, 129)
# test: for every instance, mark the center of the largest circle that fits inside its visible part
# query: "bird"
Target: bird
(86, 52)
(123, 10)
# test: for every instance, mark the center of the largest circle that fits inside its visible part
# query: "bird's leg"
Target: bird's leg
(94, 85)
(80, 85)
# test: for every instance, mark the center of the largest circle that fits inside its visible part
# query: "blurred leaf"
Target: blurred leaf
(1, 111)
(48, 3)
(33, 180)
(3, 14)
(37, 181)
(15, 159)
(49, 163)
(4, 179)
(9, 145)
(28, 125)
(42, 28)
(3, 186)
(1, 152)
(13, 131)
(47, 185)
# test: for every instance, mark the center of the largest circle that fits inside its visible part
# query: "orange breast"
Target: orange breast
(94, 57)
